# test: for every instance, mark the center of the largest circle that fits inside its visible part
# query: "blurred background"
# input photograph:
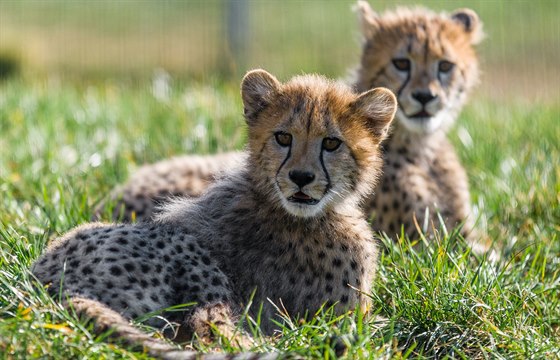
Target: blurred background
(90, 90)
(194, 39)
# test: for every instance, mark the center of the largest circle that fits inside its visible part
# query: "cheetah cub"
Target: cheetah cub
(286, 225)
(429, 61)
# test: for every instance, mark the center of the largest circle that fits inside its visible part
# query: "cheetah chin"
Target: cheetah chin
(302, 205)
(424, 122)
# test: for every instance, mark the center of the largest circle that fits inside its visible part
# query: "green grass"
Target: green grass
(65, 146)
(189, 38)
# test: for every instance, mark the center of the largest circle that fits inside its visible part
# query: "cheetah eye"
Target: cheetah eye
(283, 139)
(331, 143)
(402, 64)
(445, 66)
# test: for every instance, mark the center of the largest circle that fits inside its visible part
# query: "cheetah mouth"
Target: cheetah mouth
(302, 198)
(422, 114)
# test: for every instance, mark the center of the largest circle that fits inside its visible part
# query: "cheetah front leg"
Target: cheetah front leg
(211, 321)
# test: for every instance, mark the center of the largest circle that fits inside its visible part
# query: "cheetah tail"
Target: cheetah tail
(106, 319)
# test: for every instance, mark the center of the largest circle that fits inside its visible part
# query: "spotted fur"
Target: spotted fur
(296, 242)
(422, 175)
(429, 61)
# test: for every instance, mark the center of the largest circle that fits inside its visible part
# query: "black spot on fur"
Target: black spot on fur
(344, 299)
(129, 266)
(328, 289)
(71, 249)
(115, 270)
(216, 281)
(206, 260)
(337, 262)
(89, 249)
(329, 276)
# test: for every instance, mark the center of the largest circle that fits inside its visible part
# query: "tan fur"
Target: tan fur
(153, 185)
(283, 231)
(422, 174)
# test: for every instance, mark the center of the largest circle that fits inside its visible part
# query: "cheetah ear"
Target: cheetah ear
(378, 107)
(470, 22)
(258, 88)
(369, 20)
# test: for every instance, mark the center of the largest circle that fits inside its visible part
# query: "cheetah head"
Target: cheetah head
(313, 143)
(427, 59)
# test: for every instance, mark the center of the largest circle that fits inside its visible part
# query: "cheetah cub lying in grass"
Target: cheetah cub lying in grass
(286, 225)
(429, 61)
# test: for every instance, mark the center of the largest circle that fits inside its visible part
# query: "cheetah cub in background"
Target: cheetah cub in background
(429, 61)
(286, 225)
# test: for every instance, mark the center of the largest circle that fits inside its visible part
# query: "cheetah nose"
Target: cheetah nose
(423, 97)
(301, 178)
